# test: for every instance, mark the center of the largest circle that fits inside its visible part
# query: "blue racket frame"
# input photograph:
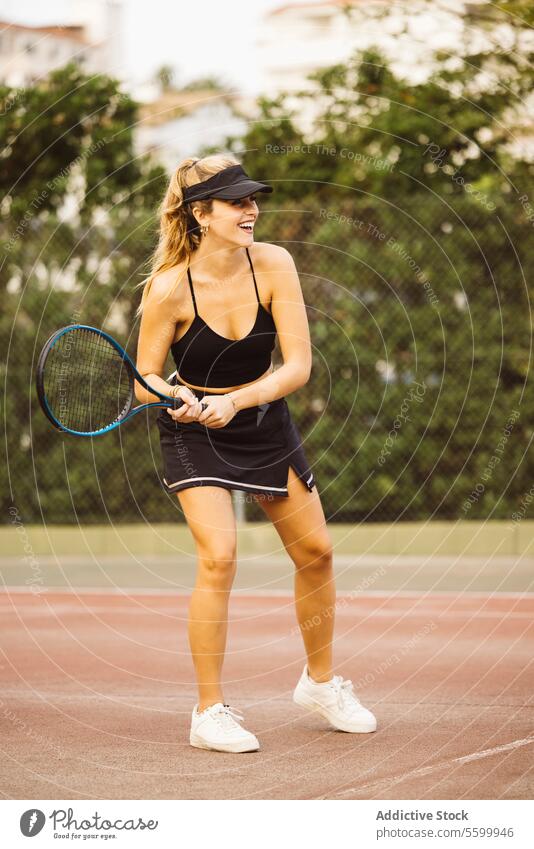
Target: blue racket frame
(133, 374)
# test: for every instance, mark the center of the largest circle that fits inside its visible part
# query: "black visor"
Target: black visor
(229, 184)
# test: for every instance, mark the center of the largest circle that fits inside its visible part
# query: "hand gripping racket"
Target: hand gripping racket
(85, 382)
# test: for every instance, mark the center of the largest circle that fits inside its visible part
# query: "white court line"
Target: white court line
(140, 591)
(384, 783)
(63, 607)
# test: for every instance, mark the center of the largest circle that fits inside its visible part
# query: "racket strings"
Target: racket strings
(87, 383)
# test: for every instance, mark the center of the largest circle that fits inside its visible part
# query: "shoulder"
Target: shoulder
(276, 267)
(166, 288)
(167, 284)
(268, 257)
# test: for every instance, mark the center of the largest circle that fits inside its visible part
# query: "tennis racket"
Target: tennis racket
(85, 382)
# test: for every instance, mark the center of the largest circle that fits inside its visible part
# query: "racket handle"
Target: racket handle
(172, 403)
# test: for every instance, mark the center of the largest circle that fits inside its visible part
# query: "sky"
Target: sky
(197, 38)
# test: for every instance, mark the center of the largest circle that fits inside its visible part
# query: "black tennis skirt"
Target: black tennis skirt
(252, 452)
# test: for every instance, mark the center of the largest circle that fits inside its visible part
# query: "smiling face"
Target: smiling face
(231, 221)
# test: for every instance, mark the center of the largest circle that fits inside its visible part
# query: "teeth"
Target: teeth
(246, 226)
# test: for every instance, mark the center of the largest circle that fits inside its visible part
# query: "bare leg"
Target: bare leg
(300, 523)
(210, 516)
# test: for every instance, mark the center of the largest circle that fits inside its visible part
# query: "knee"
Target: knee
(315, 552)
(217, 563)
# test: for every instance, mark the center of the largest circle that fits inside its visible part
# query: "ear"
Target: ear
(197, 214)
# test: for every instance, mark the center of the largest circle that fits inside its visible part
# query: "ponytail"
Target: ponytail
(179, 234)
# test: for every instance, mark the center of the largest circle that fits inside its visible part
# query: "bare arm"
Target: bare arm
(289, 313)
(156, 333)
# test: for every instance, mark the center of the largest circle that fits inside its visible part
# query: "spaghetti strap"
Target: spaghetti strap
(191, 288)
(253, 275)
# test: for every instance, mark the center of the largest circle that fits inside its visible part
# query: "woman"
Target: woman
(234, 430)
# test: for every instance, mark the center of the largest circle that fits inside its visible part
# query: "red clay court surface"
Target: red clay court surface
(97, 690)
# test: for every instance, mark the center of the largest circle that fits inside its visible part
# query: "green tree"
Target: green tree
(165, 75)
(519, 13)
(401, 204)
(77, 227)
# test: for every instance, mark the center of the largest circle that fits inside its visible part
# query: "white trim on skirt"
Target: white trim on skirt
(236, 483)
(224, 480)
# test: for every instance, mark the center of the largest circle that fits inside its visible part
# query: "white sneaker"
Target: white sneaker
(216, 728)
(335, 700)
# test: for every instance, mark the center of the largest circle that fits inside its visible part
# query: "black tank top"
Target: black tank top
(205, 358)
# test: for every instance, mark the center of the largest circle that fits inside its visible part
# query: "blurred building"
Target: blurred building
(30, 53)
(90, 36)
(299, 38)
(178, 124)
(104, 23)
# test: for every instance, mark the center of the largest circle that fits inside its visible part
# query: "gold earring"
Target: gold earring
(204, 229)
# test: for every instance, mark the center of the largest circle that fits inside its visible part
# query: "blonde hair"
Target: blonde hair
(178, 228)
